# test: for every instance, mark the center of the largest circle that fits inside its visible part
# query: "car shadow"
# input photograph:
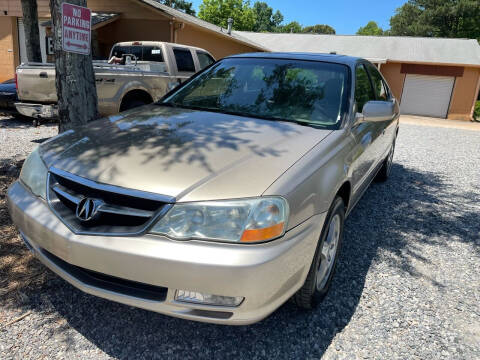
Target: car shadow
(17, 121)
(379, 225)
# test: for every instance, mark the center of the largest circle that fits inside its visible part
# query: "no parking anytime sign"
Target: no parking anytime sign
(76, 29)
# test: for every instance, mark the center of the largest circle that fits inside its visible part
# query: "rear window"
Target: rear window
(184, 60)
(119, 51)
(142, 53)
(204, 59)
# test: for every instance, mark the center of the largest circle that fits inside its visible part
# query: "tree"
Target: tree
(438, 18)
(291, 27)
(371, 28)
(75, 79)
(32, 35)
(265, 19)
(319, 29)
(218, 11)
(182, 5)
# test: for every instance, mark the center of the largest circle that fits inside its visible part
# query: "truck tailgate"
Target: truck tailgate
(36, 83)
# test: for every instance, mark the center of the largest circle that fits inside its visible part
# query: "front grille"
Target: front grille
(117, 211)
(108, 282)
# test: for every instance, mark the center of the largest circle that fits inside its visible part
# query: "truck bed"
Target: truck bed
(36, 81)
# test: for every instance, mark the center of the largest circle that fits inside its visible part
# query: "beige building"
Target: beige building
(114, 21)
(430, 76)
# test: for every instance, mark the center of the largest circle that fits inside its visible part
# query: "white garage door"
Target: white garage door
(427, 95)
(21, 41)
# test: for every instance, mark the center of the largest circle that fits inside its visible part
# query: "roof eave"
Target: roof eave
(433, 63)
(185, 19)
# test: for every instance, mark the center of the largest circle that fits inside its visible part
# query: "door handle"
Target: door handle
(43, 74)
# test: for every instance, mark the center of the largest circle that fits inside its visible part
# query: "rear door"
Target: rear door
(204, 59)
(184, 62)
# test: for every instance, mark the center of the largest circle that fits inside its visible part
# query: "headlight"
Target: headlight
(34, 174)
(244, 221)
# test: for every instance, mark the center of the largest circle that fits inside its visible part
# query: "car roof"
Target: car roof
(340, 59)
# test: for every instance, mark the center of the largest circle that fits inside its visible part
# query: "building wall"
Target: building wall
(131, 30)
(464, 94)
(464, 91)
(8, 27)
(217, 45)
(128, 8)
(14, 8)
(391, 72)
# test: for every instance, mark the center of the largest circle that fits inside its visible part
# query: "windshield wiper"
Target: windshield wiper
(236, 113)
(169, 104)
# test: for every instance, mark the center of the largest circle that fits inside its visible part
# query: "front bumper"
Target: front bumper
(43, 111)
(266, 275)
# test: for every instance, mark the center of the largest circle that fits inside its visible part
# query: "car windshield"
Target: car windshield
(310, 92)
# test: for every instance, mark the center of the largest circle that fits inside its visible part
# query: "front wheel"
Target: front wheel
(384, 171)
(323, 266)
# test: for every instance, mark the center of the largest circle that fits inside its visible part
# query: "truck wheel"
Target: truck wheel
(323, 265)
(132, 103)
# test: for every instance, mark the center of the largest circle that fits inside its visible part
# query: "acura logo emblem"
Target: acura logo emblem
(87, 209)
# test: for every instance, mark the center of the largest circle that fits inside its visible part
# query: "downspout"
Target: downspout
(172, 38)
(176, 27)
(475, 97)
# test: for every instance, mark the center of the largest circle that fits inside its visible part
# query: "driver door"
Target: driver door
(366, 133)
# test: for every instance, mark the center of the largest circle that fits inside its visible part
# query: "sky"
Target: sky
(345, 16)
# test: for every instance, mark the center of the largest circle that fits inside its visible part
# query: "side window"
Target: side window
(363, 88)
(204, 59)
(381, 92)
(152, 53)
(184, 60)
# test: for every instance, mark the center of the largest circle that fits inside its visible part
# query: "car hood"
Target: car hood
(189, 155)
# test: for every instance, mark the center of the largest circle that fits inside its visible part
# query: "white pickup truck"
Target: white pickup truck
(144, 71)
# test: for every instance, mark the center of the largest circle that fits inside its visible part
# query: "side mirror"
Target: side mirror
(378, 111)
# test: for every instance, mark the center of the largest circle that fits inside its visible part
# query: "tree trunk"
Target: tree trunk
(75, 79)
(32, 35)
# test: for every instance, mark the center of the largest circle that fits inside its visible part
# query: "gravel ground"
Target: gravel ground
(407, 285)
(18, 137)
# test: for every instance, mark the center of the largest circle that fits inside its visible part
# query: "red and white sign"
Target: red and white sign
(76, 29)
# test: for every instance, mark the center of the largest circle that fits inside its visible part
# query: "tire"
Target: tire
(35, 122)
(386, 168)
(315, 289)
(132, 103)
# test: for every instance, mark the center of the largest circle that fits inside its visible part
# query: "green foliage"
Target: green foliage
(371, 28)
(438, 18)
(476, 112)
(260, 17)
(291, 27)
(182, 5)
(266, 20)
(319, 29)
(218, 11)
